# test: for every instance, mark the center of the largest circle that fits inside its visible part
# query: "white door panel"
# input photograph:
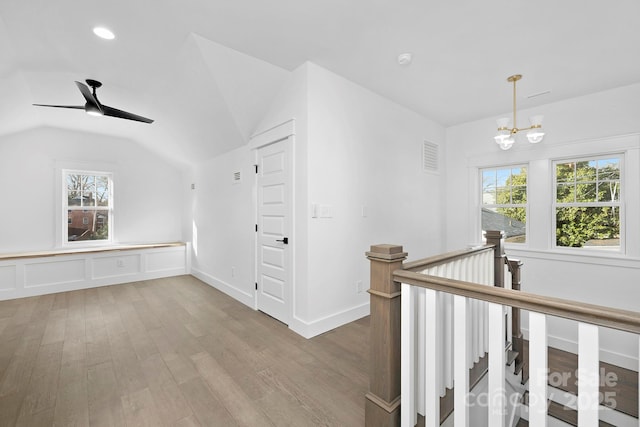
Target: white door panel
(274, 226)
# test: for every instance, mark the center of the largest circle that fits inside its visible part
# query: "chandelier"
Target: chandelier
(507, 130)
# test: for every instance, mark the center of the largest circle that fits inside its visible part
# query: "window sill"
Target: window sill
(600, 258)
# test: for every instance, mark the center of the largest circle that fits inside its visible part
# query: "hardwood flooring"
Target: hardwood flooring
(172, 352)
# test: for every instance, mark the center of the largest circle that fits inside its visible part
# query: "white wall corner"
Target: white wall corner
(247, 299)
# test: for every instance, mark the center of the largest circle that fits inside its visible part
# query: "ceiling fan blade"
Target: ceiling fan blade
(88, 96)
(75, 107)
(114, 112)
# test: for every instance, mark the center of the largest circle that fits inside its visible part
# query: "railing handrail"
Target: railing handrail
(436, 260)
(624, 320)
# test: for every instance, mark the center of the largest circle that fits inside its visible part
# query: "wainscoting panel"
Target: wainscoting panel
(7, 277)
(51, 271)
(24, 275)
(116, 266)
(159, 261)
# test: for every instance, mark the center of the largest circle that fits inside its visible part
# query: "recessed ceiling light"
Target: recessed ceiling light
(104, 33)
(405, 58)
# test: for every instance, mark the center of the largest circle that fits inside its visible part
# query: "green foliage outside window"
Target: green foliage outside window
(587, 203)
(504, 201)
(514, 193)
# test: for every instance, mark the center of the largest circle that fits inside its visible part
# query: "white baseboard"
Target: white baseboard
(297, 325)
(325, 324)
(224, 287)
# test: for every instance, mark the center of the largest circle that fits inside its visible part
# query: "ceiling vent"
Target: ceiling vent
(429, 157)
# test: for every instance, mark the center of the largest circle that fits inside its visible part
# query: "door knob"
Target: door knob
(284, 240)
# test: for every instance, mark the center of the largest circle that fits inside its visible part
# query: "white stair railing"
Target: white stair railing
(589, 318)
(476, 268)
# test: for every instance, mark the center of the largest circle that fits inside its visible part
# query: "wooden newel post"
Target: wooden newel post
(382, 403)
(515, 265)
(496, 238)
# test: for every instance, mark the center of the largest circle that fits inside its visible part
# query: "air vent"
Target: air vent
(429, 156)
(237, 177)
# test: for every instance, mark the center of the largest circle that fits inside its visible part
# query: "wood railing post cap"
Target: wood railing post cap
(494, 234)
(386, 252)
(386, 249)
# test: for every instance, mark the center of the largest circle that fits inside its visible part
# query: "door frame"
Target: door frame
(282, 132)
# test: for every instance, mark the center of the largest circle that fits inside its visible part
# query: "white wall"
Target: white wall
(222, 227)
(364, 152)
(146, 187)
(223, 214)
(292, 103)
(588, 125)
(352, 149)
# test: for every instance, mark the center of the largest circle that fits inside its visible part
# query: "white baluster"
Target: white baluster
(588, 375)
(447, 366)
(497, 403)
(475, 329)
(407, 355)
(419, 349)
(461, 362)
(432, 354)
(538, 369)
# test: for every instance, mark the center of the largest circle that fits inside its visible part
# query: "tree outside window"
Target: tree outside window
(588, 202)
(504, 201)
(88, 205)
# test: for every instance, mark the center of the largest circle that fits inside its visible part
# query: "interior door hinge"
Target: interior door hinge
(256, 286)
(256, 166)
(256, 228)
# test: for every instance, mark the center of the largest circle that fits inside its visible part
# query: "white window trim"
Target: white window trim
(63, 232)
(540, 194)
(620, 204)
(481, 204)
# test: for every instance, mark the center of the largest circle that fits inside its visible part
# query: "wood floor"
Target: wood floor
(172, 352)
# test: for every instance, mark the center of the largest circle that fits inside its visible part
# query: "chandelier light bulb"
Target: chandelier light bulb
(535, 135)
(506, 143)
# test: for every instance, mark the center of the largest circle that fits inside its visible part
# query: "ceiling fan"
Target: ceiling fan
(95, 108)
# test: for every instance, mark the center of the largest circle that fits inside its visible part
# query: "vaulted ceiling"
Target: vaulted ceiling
(207, 70)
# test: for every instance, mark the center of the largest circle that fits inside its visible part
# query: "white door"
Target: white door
(273, 272)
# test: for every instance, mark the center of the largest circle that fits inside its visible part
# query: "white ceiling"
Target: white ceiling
(206, 70)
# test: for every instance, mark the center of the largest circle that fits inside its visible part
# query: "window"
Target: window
(88, 201)
(504, 201)
(588, 202)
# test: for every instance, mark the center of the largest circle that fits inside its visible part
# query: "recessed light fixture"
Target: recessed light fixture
(104, 33)
(405, 58)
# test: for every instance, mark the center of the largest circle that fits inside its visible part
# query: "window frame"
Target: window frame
(482, 205)
(64, 236)
(620, 204)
